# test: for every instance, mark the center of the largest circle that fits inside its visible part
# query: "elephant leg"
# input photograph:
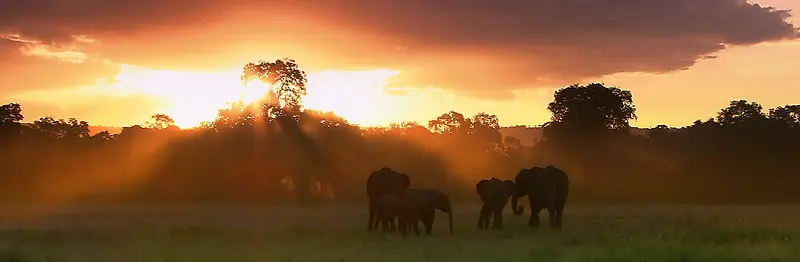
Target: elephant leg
(372, 224)
(416, 228)
(553, 218)
(498, 219)
(427, 220)
(483, 218)
(402, 225)
(385, 225)
(559, 215)
(534, 220)
(392, 226)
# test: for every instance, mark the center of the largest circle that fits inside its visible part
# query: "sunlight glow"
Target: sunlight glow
(197, 96)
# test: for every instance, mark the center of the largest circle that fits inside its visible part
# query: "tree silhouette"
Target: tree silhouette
(71, 128)
(739, 112)
(274, 151)
(592, 107)
(788, 115)
(10, 116)
(487, 129)
(287, 85)
(451, 123)
(160, 121)
(11, 113)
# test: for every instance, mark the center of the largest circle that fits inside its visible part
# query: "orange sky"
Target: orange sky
(376, 62)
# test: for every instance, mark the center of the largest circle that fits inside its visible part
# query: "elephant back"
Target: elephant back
(494, 188)
(386, 181)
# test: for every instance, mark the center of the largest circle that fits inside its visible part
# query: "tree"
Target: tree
(160, 122)
(486, 128)
(788, 115)
(11, 113)
(451, 123)
(284, 102)
(592, 107)
(511, 143)
(60, 128)
(740, 112)
(409, 128)
(287, 85)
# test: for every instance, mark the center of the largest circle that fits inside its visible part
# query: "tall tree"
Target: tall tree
(11, 113)
(593, 107)
(451, 123)
(788, 115)
(740, 112)
(160, 121)
(284, 103)
(486, 128)
(287, 85)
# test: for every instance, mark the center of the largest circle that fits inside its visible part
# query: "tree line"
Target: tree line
(275, 152)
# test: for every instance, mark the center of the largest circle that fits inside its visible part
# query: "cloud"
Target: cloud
(28, 66)
(475, 47)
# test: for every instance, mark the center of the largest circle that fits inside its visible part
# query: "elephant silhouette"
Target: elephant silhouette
(546, 188)
(413, 206)
(494, 194)
(380, 182)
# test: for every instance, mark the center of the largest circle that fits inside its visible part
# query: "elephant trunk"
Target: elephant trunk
(515, 207)
(450, 217)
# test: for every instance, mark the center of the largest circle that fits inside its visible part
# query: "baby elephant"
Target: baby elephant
(411, 207)
(391, 206)
(494, 194)
(425, 202)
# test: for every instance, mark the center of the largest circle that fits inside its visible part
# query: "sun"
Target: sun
(195, 97)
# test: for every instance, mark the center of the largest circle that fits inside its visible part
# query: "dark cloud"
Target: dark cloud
(478, 47)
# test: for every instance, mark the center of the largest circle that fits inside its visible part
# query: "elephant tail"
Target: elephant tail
(450, 217)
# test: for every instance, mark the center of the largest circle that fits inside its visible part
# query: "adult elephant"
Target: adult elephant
(546, 188)
(380, 182)
(494, 194)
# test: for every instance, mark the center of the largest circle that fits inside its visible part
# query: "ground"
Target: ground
(231, 233)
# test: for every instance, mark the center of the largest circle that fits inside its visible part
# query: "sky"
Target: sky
(374, 62)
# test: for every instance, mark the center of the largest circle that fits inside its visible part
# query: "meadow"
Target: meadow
(257, 233)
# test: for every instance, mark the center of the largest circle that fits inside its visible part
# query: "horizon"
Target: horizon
(156, 130)
(679, 72)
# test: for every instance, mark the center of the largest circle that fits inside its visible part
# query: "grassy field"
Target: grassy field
(225, 233)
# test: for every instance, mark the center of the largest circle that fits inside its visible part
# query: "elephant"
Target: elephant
(547, 188)
(425, 202)
(411, 207)
(494, 194)
(384, 181)
(390, 206)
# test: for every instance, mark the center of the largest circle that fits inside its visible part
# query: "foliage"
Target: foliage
(274, 151)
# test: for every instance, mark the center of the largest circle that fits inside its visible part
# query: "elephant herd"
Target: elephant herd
(390, 198)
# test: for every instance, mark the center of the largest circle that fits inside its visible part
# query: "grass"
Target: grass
(214, 233)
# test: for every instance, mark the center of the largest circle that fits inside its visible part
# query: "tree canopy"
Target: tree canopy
(275, 151)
